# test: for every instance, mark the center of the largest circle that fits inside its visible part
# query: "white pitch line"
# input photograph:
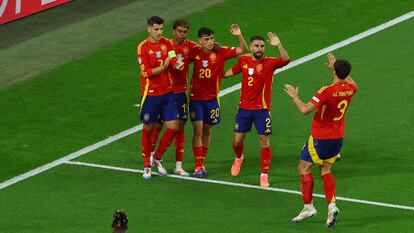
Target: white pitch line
(70, 156)
(280, 190)
(222, 93)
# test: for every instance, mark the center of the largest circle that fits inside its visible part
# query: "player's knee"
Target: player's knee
(264, 141)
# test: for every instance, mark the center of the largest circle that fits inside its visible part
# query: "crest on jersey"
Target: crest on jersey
(251, 71)
(185, 51)
(259, 67)
(158, 54)
(213, 57)
(179, 56)
(163, 48)
(146, 116)
(205, 63)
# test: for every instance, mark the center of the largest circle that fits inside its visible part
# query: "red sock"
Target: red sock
(329, 187)
(165, 142)
(205, 150)
(146, 146)
(265, 159)
(238, 150)
(198, 155)
(306, 182)
(154, 137)
(179, 146)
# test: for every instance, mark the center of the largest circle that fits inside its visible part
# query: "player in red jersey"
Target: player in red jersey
(179, 79)
(155, 54)
(255, 100)
(209, 59)
(327, 132)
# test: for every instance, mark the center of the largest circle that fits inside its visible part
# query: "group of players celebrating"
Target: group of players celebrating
(164, 66)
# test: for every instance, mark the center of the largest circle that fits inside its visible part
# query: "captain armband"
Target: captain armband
(171, 54)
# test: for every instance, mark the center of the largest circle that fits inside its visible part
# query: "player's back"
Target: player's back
(332, 102)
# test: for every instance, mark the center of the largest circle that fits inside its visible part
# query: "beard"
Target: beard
(258, 55)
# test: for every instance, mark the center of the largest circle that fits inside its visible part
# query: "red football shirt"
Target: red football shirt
(208, 71)
(152, 55)
(180, 77)
(332, 102)
(257, 78)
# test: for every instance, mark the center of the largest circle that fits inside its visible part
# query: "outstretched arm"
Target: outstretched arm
(228, 73)
(275, 41)
(235, 30)
(293, 92)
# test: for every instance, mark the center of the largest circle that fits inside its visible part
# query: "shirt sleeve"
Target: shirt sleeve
(230, 52)
(278, 62)
(143, 61)
(321, 96)
(236, 69)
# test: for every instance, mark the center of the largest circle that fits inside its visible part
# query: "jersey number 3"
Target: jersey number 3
(342, 107)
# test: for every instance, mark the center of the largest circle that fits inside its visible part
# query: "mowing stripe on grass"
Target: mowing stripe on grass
(222, 93)
(280, 190)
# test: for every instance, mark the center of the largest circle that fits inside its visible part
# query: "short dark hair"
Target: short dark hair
(154, 20)
(204, 31)
(256, 38)
(342, 68)
(119, 221)
(181, 23)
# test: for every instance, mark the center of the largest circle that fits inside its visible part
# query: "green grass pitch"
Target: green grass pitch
(84, 101)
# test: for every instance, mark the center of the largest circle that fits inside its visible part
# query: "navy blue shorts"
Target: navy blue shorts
(318, 150)
(207, 111)
(182, 105)
(261, 119)
(158, 108)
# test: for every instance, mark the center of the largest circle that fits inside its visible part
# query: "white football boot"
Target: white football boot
(307, 212)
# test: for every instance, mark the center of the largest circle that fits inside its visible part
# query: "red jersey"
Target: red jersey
(180, 77)
(332, 102)
(208, 71)
(257, 78)
(152, 55)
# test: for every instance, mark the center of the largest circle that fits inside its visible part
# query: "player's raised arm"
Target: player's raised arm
(330, 65)
(275, 41)
(235, 30)
(293, 92)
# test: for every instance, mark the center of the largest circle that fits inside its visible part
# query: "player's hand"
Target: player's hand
(273, 39)
(235, 30)
(179, 65)
(291, 90)
(166, 63)
(331, 61)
